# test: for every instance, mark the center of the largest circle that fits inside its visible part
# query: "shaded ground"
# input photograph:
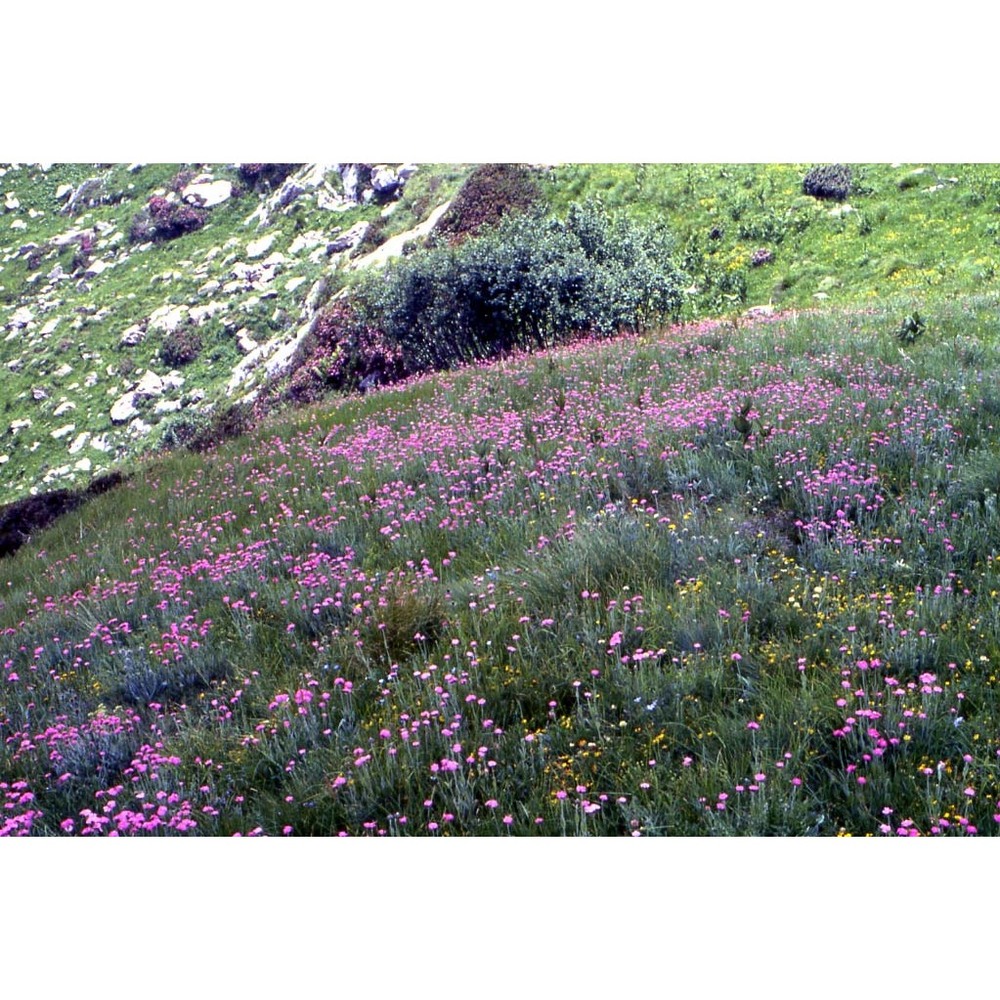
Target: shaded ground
(22, 519)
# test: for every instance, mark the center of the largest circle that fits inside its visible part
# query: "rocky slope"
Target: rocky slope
(131, 293)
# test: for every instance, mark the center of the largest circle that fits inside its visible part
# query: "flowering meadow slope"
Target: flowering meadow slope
(730, 579)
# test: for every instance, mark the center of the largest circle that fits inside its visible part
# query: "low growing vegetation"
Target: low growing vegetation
(720, 579)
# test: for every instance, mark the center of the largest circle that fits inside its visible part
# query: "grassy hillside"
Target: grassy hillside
(736, 576)
(728, 579)
(903, 230)
(88, 300)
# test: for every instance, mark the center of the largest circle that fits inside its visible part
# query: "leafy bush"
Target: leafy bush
(265, 175)
(181, 347)
(527, 283)
(165, 219)
(831, 182)
(491, 192)
(201, 431)
(342, 352)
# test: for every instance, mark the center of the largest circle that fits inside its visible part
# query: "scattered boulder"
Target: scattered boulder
(350, 239)
(245, 342)
(132, 336)
(21, 318)
(306, 241)
(149, 385)
(124, 408)
(385, 182)
(90, 193)
(78, 442)
(167, 318)
(287, 193)
(257, 248)
(207, 193)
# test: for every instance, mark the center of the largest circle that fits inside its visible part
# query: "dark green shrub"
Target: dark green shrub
(197, 430)
(528, 282)
(182, 430)
(831, 182)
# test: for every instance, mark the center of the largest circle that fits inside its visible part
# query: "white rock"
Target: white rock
(19, 425)
(167, 406)
(294, 283)
(209, 287)
(172, 380)
(94, 268)
(62, 471)
(11, 203)
(78, 442)
(84, 465)
(384, 180)
(245, 342)
(406, 171)
(19, 224)
(139, 428)
(63, 192)
(394, 247)
(350, 239)
(64, 431)
(167, 318)
(101, 443)
(315, 174)
(62, 371)
(21, 317)
(331, 202)
(132, 336)
(198, 314)
(124, 409)
(63, 408)
(208, 193)
(274, 260)
(4, 459)
(258, 248)
(305, 241)
(50, 326)
(149, 385)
